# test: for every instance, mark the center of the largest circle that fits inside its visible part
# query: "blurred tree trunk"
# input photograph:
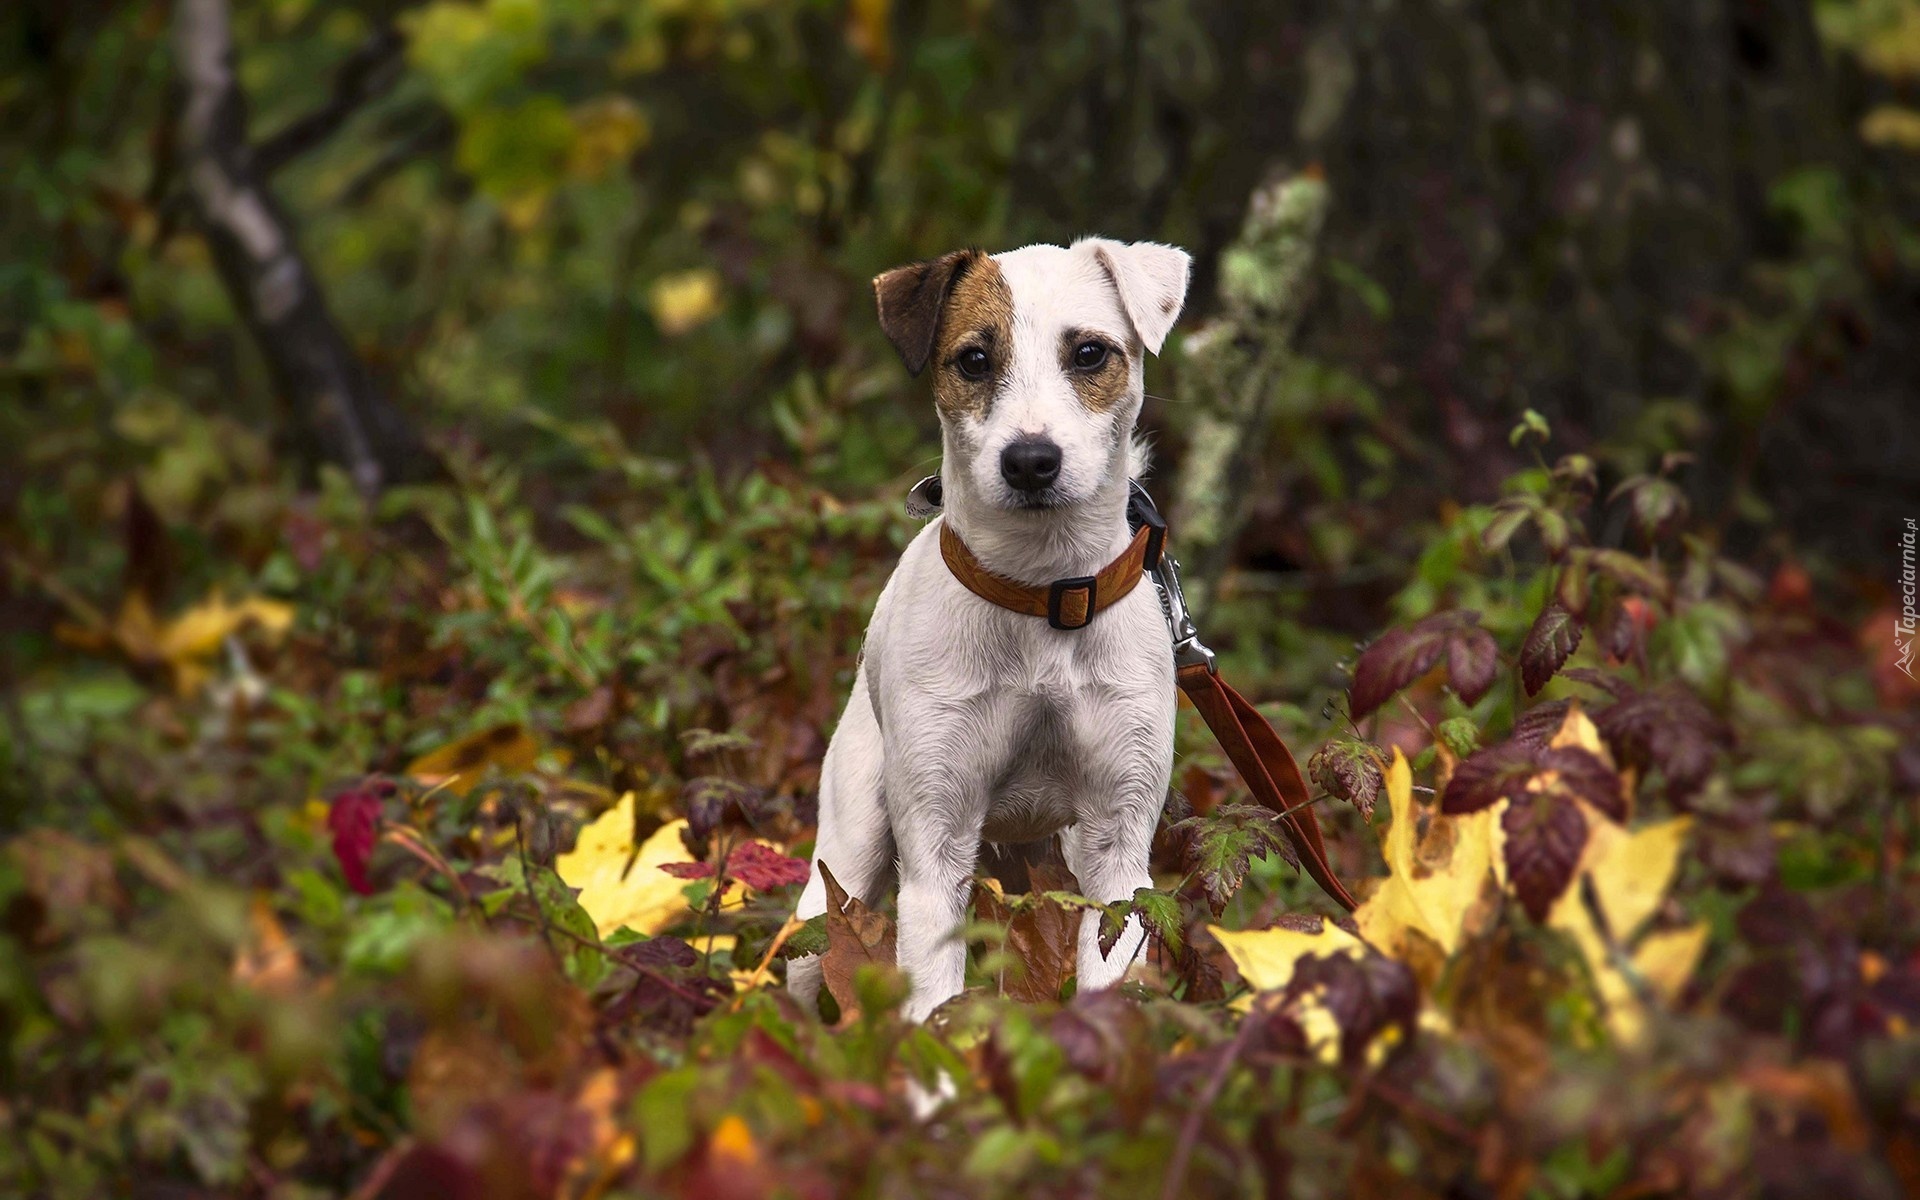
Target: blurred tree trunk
(342, 415)
(1242, 358)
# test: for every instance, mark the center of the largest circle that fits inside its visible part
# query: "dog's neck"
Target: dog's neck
(1038, 546)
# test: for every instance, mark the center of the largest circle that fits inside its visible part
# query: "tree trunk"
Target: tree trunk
(343, 416)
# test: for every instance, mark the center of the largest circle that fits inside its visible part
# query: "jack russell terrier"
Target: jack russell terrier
(972, 721)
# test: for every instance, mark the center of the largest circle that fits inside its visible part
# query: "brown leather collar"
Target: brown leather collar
(1066, 603)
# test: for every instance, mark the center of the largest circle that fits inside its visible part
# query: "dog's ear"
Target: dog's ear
(1152, 282)
(910, 300)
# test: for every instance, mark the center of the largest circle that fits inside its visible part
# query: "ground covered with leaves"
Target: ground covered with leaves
(442, 850)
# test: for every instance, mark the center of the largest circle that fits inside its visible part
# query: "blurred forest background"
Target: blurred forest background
(400, 396)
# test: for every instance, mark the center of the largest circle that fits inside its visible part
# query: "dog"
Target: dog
(971, 723)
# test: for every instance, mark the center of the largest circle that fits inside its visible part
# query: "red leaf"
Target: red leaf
(1537, 725)
(1555, 634)
(354, 819)
(1668, 728)
(1473, 662)
(1544, 839)
(688, 870)
(1398, 657)
(763, 868)
(1506, 771)
(1587, 777)
(1490, 775)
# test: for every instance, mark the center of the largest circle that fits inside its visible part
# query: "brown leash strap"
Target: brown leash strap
(1267, 767)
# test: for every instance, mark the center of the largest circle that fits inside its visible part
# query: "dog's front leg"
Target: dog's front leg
(937, 793)
(1109, 857)
(1109, 845)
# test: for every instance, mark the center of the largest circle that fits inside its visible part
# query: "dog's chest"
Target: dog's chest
(1066, 700)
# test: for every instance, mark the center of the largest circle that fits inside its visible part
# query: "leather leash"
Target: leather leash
(1250, 741)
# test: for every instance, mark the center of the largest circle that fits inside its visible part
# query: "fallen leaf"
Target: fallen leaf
(644, 898)
(1042, 935)
(266, 961)
(856, 936)
(177, 648)
(354, 820)
(458, 766)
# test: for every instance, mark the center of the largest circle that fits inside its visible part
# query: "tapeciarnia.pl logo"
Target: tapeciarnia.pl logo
(1903, 625)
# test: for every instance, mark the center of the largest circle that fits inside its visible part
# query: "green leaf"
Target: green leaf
(1160, 912)
(663, 1114)
(1221, 845)
(810, 938)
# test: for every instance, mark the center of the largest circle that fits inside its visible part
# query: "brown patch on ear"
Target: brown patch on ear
(911, 299)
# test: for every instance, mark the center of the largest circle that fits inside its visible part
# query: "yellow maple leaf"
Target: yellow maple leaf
(1666, 959)
(1630, 874)
(1266, 957)
(1632, 871)
(645, 899)
(1578, 731)
(458, 765)
(1429, 899)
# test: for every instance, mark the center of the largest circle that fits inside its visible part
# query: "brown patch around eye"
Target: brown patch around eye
(1103, 388)
(978, 313)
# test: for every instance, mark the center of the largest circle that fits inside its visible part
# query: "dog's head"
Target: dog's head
(1037, 357)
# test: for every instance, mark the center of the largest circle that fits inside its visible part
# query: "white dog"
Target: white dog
(970, 722)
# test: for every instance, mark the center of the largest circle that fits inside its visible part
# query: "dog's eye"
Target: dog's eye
(973, 363)
(1088, 356)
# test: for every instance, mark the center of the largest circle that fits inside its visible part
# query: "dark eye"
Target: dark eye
(973, 363)
(1088, 356)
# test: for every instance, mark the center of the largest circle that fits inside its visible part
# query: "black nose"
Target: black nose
(1030, 464)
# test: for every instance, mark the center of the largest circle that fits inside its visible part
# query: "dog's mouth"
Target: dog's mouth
(1044, 500)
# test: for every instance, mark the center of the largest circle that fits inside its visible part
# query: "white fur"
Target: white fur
(970, 722)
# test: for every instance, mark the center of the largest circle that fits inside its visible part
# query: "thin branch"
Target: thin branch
(368, 73)
(1176, 1176)
(435, 133)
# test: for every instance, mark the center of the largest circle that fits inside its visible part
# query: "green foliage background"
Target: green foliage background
(612, 259)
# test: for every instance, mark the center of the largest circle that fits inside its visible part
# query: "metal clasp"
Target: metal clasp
(1188, 649)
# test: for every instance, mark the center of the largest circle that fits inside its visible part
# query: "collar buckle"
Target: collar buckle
(1071, 602)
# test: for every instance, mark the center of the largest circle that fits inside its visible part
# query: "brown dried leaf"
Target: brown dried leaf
(856, 936)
